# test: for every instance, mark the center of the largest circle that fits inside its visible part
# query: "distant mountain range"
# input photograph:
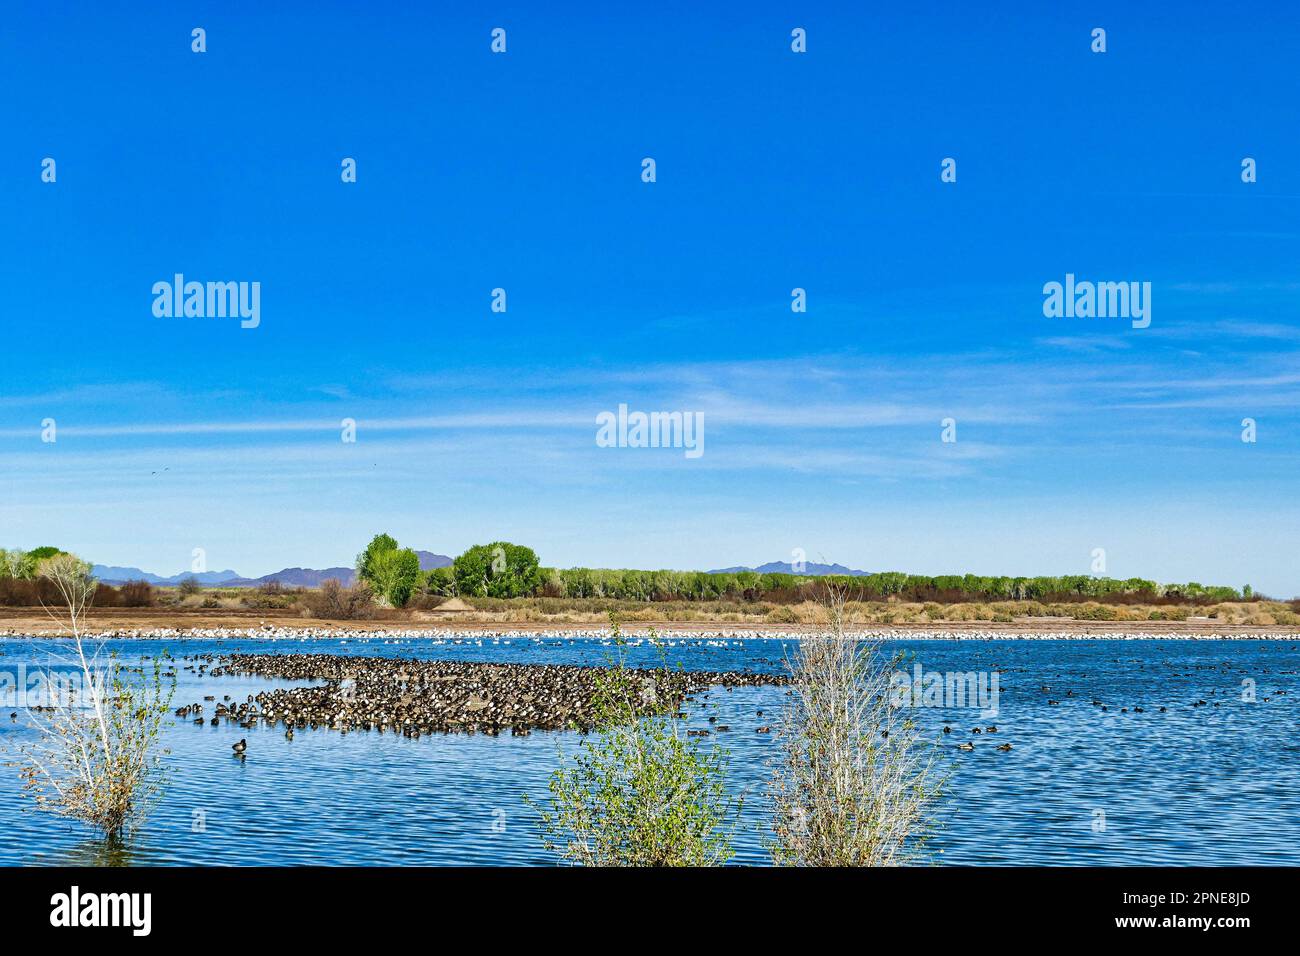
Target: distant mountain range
(288, 577)
(111, 574)
(810, 569)
(313, 578)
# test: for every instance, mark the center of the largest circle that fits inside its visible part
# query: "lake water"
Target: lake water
(1209, 785)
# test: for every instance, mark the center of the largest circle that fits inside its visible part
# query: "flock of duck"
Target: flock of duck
(1230, 694)
(417, 697)
(968, 746)
(414, 697)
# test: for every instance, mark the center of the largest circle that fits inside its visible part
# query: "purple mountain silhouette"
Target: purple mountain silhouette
(810, 569)
(288, 577)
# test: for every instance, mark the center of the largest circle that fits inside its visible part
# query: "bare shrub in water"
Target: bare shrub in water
(639, 793)
(856, 781)
(98, 760)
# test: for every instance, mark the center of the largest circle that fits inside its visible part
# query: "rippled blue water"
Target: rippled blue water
(1194, 785)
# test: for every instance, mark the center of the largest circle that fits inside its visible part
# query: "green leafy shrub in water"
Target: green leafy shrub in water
(638, 792)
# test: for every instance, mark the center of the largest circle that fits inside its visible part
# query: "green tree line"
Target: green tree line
(507, 570)
(502, 569)
(636, 585)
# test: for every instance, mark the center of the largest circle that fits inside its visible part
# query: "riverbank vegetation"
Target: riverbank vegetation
(335, 602)
(646, 586)
(502, 582)
(865, 613)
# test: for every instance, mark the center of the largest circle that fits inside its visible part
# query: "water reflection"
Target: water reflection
(99, 851)
(1156, 764)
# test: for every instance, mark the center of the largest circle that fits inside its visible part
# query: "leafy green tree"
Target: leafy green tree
(702, 586)
(672, 584)
(17, 563)
(499, 569)
(365, 560)
(1141, 586)
(390, 571)
(12, 562)
(394, 574)
(439, 581)
(609, 583)
(577, 582)
(553, 583)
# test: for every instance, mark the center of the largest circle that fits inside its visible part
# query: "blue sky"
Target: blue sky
(775, 170)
